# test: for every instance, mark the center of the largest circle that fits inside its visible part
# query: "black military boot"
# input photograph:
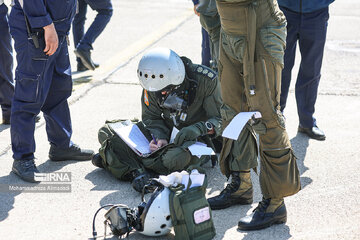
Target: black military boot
(25, 169)
(267, 213)
(71, 153)
(97, 161)
(81, 67)
(239, 191)
(85, 56)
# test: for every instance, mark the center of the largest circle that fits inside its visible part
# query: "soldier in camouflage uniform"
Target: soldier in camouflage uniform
(177, 93)
(252, 43)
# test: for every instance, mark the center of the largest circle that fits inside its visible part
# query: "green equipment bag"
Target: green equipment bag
(190, 212)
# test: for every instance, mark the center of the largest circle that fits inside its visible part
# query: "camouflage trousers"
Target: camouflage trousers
(119, 159)
(252, 43)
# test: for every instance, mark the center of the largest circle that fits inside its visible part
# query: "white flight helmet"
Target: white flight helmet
(155, 218)
(159, 68)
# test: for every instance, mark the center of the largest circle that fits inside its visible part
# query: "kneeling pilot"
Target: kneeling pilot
(176, 93)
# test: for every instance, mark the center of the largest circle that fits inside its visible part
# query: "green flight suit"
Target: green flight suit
(201, 89)
(252, 43)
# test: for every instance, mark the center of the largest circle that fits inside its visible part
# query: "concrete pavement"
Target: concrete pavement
(327, 207)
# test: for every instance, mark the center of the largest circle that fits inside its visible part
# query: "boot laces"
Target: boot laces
(263, 205)
(75, 147)
(230, 187)
(29, 164)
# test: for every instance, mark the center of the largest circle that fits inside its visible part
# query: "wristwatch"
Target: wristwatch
(209, 127)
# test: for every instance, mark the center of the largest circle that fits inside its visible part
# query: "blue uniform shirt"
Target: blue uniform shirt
(42, 13)
(304, 6)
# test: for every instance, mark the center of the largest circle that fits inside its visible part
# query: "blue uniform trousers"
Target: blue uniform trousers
(6, 64)
(43, 83)
(205, 48)
(309, 29)
(104, 10)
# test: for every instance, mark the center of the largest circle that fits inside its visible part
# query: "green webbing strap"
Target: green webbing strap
(251, 30)
(178, 221)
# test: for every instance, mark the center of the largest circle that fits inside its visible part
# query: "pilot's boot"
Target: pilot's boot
(239, 191)
(267, 213)
(97, 161)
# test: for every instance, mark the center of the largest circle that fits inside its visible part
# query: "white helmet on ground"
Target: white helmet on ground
(155, 218)
(159, 68)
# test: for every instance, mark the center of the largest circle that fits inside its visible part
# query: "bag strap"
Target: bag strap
(31, 34)
(251, 28)
(189, 184)
(179, 225)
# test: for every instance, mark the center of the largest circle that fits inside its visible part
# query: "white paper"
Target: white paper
(171, 179)
(173, 134)
(234, 128)
(132, 136)
(199, 149)
(175, 178)
(197, 179)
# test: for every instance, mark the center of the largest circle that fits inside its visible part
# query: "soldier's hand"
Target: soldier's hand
(195, 11)
(51, 39)
(190, 133)
(159, 143)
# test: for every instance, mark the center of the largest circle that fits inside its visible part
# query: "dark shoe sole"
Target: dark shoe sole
(320, 138)
(238, 202)
(82, 70)
(84, 61)
(79, 158)
(32, 180)
(250, 228)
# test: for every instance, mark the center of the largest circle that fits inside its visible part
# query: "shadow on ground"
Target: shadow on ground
(4, 127)
(81, 80)
(279, 232)
(104, 181)
(7, 197)
(300, 143)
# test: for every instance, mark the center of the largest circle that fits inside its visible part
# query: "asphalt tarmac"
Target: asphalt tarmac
(328, 205)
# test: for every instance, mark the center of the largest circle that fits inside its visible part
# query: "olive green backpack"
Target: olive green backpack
(190, 212)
